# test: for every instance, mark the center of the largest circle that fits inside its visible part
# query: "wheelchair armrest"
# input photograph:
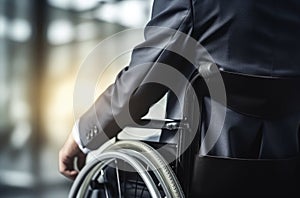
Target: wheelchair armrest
(153, 130)
(167, 124)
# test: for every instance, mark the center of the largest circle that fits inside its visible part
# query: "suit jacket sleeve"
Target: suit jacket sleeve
(127, 99)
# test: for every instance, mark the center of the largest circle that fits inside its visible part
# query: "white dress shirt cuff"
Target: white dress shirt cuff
(76, 136)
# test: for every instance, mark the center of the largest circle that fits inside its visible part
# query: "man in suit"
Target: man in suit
(251, 38)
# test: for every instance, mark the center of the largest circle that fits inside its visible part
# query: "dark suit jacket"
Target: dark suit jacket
(243, 36)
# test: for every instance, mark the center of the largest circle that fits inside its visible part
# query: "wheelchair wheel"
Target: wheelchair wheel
(127, 169)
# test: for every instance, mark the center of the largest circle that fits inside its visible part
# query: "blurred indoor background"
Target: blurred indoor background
(42, 44)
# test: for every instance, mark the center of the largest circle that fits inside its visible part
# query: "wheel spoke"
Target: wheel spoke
(118, 179)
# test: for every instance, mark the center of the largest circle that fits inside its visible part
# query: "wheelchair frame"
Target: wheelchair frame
(172, 179)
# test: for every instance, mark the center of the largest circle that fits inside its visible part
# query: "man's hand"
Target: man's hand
(67, 155)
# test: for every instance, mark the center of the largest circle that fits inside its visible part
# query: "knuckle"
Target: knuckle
(61, 152)
(62, 172)
(60, 169)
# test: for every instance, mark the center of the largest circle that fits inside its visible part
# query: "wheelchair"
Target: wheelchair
(135, 168)
(171, 167)
(143, 167)
(138, 168)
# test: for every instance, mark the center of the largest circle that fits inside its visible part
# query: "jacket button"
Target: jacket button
(91, 133)
(88, 136)
(95, 130)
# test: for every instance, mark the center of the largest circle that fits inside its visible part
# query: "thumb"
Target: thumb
(81, 159)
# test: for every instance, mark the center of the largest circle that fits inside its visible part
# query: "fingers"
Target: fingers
(67, 155)
(81, 160)
(66, 166)
(70, 174)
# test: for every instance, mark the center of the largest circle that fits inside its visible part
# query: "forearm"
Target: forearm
(138, 86)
